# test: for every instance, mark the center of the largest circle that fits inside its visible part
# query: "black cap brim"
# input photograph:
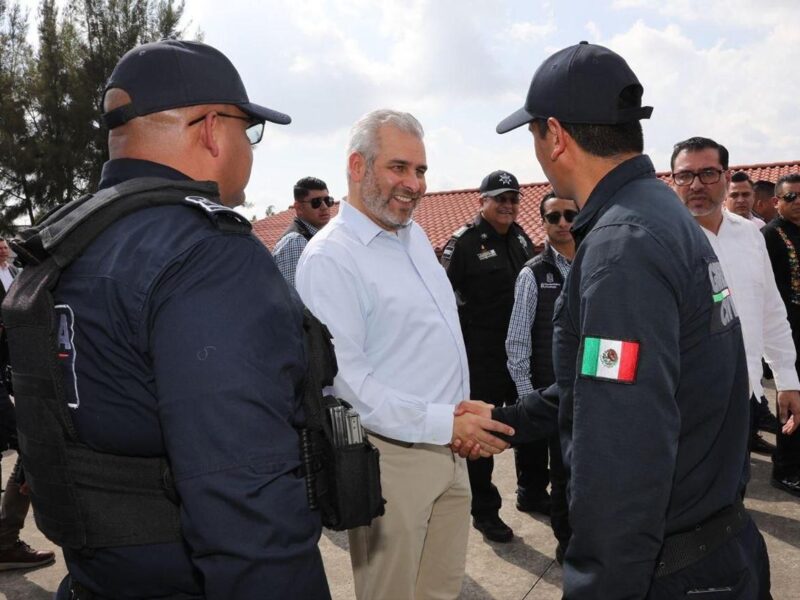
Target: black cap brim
(514, 120)
(267, 114)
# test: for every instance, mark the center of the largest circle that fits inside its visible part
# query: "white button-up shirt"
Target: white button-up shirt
(743, 256)
(392, 313)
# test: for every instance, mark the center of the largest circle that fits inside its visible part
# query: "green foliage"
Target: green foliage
(52, 144)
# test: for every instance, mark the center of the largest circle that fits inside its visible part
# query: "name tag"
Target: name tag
(487, 254)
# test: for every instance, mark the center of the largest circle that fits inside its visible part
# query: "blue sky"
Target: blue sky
(715, 68)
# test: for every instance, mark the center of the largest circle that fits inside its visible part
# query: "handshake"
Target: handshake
(472, 424)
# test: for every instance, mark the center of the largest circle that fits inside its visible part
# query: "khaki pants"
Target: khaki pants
(418, 549)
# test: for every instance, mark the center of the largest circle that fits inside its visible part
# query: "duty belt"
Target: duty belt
(683, 549)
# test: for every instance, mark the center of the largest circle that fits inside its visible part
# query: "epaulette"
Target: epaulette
(447, 253)
(462, 230)
(223, 217)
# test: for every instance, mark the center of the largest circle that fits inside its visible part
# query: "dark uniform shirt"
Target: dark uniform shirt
(482, 266)
(783, 246)
(188, 343)
(654, 434)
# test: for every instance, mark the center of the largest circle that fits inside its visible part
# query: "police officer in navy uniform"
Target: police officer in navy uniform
(482, 260)
(186, 343)
(652, 387)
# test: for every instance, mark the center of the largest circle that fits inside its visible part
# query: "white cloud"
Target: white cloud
(724, 92)
(530, 31)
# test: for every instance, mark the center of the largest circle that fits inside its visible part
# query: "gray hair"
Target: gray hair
(364, 134)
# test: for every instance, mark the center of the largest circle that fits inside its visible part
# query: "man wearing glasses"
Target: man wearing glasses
(185, 347)
(529, 342)
(783, 242)
(482, 261)
(702, 181)
(312, 205)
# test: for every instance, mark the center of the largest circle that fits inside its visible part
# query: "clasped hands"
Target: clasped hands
(472, 424)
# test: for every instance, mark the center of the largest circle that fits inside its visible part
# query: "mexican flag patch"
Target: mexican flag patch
(612, 360)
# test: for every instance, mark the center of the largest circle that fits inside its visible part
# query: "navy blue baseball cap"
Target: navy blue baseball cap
(174, 73)
(498, 182)
(584, 83)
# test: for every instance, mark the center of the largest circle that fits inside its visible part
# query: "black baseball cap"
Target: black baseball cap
(581, 84)
(174, 73)
(497, 182)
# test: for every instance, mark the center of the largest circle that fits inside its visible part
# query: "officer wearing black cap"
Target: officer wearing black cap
(181, 343)
(651, 373)
(482, 261)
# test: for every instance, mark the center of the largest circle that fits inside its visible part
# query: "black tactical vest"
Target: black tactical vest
(297, 226)
(549, 283)
(83, 498)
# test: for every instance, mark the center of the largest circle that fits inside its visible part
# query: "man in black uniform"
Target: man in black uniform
(652, 385)
(181, 340)
(783, 240)
(482, 260)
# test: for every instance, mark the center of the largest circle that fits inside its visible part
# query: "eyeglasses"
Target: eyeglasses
(554, 218)
(706, 176)
(789, 196)
(317, 202)
(254, 131)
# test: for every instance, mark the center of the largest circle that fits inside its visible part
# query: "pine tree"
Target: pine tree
(52, 144)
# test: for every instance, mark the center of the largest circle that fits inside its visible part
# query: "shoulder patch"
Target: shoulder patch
(610, 360)
(65, 334)
(723, 311)
(222, 216)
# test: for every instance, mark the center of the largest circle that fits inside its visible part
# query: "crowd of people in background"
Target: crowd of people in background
(629, 349)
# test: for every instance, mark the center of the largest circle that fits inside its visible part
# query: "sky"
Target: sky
(716, 68)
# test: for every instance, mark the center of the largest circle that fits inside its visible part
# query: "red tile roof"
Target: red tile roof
(441, 213)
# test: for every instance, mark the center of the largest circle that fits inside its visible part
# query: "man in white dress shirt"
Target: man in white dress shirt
(700, 177)
(373, 278)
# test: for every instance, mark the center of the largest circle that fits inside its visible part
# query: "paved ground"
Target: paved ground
(524, 569)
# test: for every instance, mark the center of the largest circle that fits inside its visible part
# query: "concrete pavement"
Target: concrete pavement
(523, 569)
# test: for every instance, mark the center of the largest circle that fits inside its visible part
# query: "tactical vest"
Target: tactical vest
(297, 226)
(83, 498)
(549, 283)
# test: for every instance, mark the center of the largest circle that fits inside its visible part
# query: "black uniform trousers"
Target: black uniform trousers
(786, 458)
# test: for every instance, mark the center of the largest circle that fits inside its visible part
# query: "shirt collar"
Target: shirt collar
(365, 228)
(637, 167)
(311, 229)
(122, 169)
(556, 254)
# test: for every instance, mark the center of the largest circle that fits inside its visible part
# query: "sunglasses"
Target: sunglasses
(789, 197)
(555, 217)
(317, 202)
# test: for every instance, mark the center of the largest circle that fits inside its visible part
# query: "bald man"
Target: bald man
(166, 376)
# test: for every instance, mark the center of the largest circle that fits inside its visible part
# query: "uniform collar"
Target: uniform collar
(122, 169)
(638, 167)
(484, 226)
(786, 225)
